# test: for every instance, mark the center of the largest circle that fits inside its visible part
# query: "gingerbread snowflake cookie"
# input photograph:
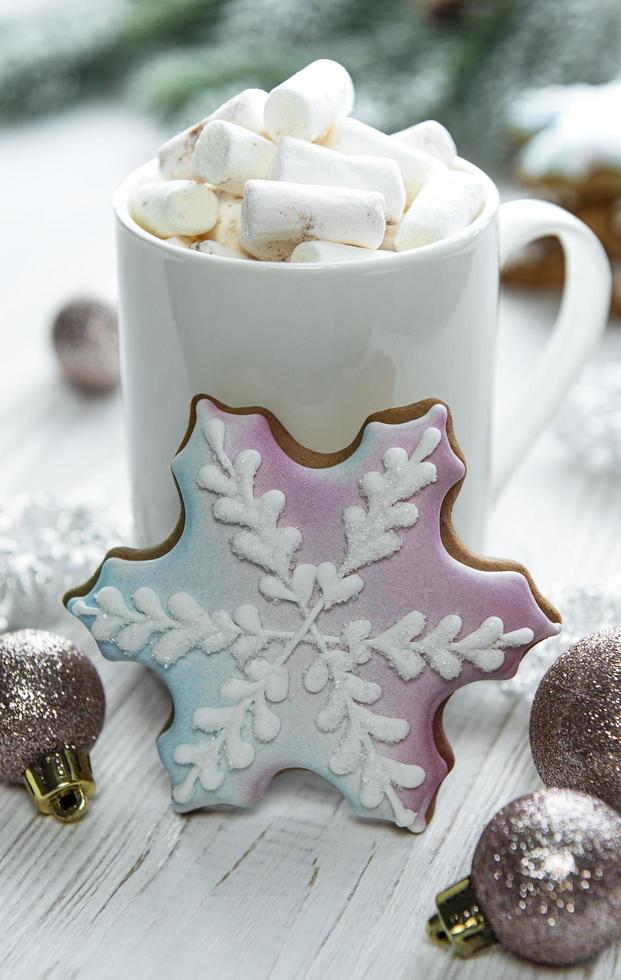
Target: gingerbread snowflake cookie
(314, 611)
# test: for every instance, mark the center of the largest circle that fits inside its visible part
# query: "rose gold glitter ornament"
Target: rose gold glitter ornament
(85, 338)
(51, 712)
(575, 722)
(545, 882)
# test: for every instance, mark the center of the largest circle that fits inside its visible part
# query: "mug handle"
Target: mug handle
(581, 320)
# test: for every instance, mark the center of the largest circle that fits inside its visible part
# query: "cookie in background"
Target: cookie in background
(570, 154)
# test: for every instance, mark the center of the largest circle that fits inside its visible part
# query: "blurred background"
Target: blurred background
(89, 89)
(460, 61)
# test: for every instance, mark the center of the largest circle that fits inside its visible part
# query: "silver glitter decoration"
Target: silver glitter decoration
(590, 423)
(50, 696)
(585, 609)
(86, 341)
(575, 722)
(547, 874)
(49, 543)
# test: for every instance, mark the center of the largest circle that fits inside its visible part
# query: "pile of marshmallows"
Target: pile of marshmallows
(290, 175)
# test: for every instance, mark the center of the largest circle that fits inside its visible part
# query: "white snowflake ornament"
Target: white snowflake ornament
(314, 611)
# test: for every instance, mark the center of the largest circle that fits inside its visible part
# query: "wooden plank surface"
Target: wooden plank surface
(295, 888)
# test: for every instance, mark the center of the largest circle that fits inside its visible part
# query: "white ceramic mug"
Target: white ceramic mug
(323, 346)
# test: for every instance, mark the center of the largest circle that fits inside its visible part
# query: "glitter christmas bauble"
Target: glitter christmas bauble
(547, 875)
(575, 722)
(50, 697)
(85, 338)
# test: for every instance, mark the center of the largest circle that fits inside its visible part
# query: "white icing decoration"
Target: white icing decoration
(361, 729)
(171, 635)
(229, 749)
(370, 533)
(264, 543)
(260, 654)
(439, 648)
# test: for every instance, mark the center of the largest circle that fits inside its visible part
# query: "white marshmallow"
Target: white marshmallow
(176, 155)
(308, 103)
(332, 252)
(352, 136)
(445, 205)
(277, 215)
(244, 109)
(298, 161)
(228, 155)
(228, 229)
(174, 207)
(182, 241)
(209, 247)
(432, 137)
(388, 245)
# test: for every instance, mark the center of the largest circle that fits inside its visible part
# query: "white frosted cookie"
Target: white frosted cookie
(576, 138)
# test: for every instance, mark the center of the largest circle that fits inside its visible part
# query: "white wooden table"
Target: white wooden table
(295, 888)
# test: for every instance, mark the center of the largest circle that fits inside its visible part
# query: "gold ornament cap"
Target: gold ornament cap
(459, 923)
(61, 784)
